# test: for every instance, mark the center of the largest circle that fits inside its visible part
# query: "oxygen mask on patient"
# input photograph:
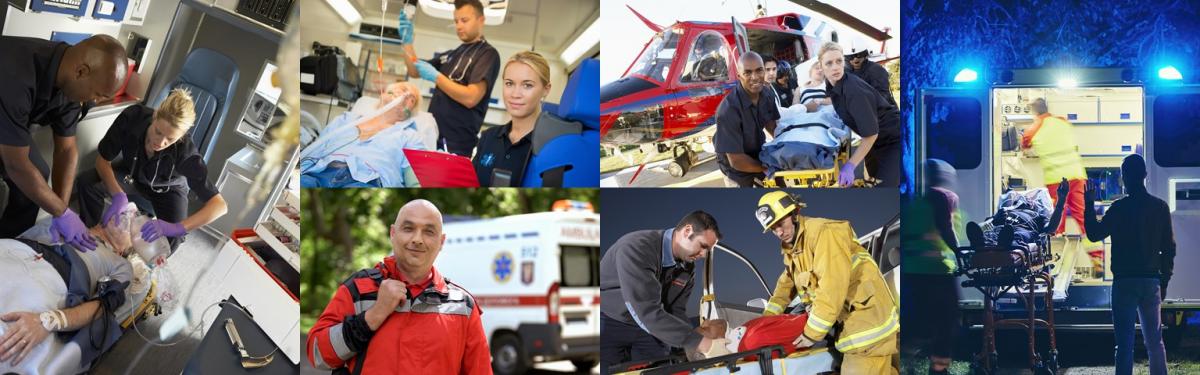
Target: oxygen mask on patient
(154, 253)
(125, 233)
(119, 230)
(396, 100)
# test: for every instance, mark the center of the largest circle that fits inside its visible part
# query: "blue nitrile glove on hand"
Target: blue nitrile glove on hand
(119, 201)
(156, 228)
(68, 228)
(405, 28)
(427, 71)
(846, 175)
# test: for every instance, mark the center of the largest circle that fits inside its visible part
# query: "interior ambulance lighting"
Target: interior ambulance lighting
(966, 75)
(1067, 82)
(1169, 73)
(588, 38)
(347, 11)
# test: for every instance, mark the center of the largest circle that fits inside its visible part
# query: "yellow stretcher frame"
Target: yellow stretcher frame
(814, 178)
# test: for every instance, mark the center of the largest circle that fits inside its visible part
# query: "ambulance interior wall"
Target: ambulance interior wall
(322, 24)
(1104, 138)
(251, 52)
(1107, 124)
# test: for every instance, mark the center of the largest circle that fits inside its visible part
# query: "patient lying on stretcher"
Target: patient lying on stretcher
(757, 333)
(62, 308)
(809, 133)
(367, 150)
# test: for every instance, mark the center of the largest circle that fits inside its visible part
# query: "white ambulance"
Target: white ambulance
(976, 127)
(537, 278)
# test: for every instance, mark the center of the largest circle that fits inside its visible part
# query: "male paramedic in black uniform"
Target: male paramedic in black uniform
(51, 84)
(874, 74)
(645, 282)
(741, 118)
(463, 80)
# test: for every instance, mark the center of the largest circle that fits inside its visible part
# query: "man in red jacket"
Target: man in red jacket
(402, 317)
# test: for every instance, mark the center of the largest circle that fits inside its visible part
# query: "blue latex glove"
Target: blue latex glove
(405, 27)
(119, 201)
(156, 228)
(846, 175)
(68, 228)
(427, 71)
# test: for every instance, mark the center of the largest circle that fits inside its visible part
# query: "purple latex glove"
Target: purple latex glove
(846, 175)
(156, 228)
(119, 201)
(68, 228)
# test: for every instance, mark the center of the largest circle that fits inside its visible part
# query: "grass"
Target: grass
(1079, 354)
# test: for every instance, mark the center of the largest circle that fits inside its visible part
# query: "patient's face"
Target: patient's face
(396, 91)
(523, 90)
(161, 134)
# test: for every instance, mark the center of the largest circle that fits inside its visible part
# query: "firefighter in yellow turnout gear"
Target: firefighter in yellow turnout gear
(838, 282)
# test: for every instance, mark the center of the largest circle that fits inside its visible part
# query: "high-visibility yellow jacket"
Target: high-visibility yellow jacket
(1052, 138)
(840, 283)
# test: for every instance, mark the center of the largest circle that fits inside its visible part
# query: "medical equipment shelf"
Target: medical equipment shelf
(281, 230)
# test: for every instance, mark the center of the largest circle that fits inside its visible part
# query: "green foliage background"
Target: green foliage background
(344, 230)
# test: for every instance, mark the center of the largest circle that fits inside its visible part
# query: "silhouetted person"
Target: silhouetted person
(929, 289)
(1143, 255)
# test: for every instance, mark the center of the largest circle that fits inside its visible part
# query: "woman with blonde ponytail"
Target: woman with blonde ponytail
(147, 157)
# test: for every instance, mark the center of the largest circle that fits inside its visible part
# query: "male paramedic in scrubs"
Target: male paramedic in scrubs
(1053, 139)
(837, 282)
(52, 84)
(463, 79)
(403, 316)
(645, 282)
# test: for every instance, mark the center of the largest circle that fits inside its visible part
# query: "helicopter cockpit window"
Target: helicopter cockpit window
(708, 60)
(655, 61)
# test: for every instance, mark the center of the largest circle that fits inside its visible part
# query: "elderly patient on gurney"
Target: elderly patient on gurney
(367, 150)
(809, 134)
(1020, 220)
(62, 307)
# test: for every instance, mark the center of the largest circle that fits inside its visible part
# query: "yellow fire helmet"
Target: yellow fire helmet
(774, 206)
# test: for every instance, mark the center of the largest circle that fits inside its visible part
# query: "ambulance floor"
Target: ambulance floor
(132, 354)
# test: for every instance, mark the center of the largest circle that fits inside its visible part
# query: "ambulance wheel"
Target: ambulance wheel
(508, 356)
(584, 365)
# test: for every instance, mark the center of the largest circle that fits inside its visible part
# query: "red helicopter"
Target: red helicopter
(668, 97)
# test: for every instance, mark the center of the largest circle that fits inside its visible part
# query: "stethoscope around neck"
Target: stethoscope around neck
(133, 170)
(474, 50)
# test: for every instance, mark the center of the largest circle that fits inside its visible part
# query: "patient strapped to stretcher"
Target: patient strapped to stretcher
(62, 308)
(367, 150)
(758, 333)
(766, 332)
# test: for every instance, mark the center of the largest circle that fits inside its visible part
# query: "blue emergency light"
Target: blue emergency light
(1169, 73)
(966, 75)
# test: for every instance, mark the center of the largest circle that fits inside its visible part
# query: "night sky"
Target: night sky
(628, 210)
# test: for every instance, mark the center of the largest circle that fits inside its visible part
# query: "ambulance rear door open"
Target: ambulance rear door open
(1173, 158)
(953, 124)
